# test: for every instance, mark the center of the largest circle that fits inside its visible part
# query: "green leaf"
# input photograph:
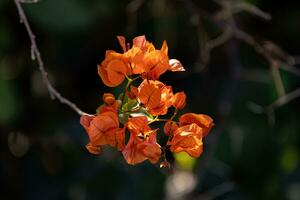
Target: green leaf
(129, 104)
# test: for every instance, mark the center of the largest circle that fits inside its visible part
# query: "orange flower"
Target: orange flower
(141, 58)
(155, 96)
(155, 63)
(110, 104)
(142, 143)
(113, 69)
(179, 100)
(146, 60)
(170, 127)
(187, 138)
(109, 98)
(103, 129)
(203, 121)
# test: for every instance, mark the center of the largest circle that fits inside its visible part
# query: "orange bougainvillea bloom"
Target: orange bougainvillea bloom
(170, 127)
(144, 59)
(110, 104)
(113, 69)
(136, 105)
(187, 138)
(103, 129)
(179, 100)
(142, 143)
(156, 96)
(203, 121)
(109, 99)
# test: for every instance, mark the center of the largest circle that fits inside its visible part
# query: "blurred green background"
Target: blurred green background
(42, 143)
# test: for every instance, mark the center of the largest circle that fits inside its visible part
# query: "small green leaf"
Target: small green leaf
(129, 104)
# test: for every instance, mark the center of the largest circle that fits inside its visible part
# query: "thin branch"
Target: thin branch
(35, 54)
(247, 7)
(269, 110)
(284, 100)
(29, 1)
(277, 79)
(221, 39)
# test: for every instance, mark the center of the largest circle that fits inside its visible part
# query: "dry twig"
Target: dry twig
(36, 55)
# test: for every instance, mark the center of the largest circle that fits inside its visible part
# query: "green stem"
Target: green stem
(127, 86)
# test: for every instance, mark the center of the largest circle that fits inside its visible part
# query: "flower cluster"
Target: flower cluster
(141, 105)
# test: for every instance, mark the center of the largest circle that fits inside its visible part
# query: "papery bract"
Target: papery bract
(156, 96)
(142, 143)
(170, 127)
(137, 107)
(103, 129)
(113, 69)
(179, 100)
(187, 138)
(203, 121)
(110, 104)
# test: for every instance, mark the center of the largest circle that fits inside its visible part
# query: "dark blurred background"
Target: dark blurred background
(42, 153)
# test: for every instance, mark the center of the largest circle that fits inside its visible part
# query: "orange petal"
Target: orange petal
(179, 100)
(85, 120)
(136, 57)
(103, 74)
(116, 71)
(175, 65)
(104, 108)
(93, 149)
(164, 48)
(204, 121)
(122, 42)
(131, 154)
(137, 125)
(139, 41)
(109, 98)
(152, 152)
(187, 138)
(170, 127)
(156, 64)
(149, 94)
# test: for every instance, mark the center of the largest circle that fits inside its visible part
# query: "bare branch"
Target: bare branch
(277, 79)
(29, 1)
(269, 110)
(284, 100)
(35, 54)
(221, 39)
(247, 7)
